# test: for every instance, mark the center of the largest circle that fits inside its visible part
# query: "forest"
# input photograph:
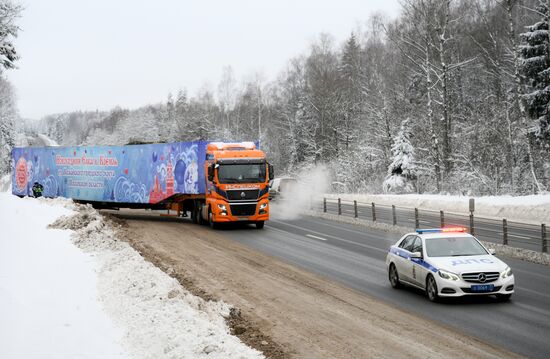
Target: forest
(451, 96)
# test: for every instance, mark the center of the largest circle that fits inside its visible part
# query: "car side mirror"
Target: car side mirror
(492, 251)
(416, 255)
(211, 172)
(270, 170)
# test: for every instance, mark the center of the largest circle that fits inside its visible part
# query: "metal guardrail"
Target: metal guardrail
(510, 233)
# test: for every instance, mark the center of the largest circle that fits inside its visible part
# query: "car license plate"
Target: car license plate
(483, 288)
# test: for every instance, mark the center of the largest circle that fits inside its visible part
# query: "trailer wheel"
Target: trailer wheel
(260, 224)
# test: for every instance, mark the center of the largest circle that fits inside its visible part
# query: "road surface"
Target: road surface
(356, 256)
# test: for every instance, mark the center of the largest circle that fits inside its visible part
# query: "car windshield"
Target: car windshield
(242, 173)
(453, 247)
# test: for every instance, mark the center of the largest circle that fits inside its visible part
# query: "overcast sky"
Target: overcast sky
(87, 55)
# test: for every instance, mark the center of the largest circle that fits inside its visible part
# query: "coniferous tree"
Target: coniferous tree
(535, 66)
(402, 171)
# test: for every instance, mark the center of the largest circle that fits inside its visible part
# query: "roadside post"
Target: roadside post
(394, 215)
(416, 219)
(472, 208)
(543, 237)
(324, 205)
(373, 212)
(355, 208)
(442, 219)
(339, 206)
(504, 231)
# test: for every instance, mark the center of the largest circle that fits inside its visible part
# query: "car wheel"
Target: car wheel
(504, 297)
(431, 289)
(394, 277)
(260, 224)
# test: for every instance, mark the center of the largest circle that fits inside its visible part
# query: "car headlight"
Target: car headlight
(263, 206)
(507, 272)
(222, 207)
(447, 275)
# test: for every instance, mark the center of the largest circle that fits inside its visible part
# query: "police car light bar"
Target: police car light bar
(441, 230)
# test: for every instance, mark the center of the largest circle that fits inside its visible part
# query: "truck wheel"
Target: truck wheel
(260, 224)
(199, 215)
(213, 225)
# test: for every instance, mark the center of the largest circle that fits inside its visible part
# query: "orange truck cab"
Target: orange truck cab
(237, 184)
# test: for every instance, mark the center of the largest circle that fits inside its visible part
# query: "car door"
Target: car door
(402, 259)
(418, 269)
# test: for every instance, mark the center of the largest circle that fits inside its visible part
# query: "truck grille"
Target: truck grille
(480, 277)
(248, 209)
(237, 195)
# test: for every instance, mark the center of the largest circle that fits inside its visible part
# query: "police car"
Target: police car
(448, 262)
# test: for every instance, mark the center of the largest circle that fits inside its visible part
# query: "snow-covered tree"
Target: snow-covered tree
(9, 12)
(535, 53)
(8, 115)
(402, 171)
(8, 56)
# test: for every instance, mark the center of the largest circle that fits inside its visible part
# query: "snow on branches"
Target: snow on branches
(401, 176)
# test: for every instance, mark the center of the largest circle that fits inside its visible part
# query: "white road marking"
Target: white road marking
(533, 291)
(532, 308)
(312, 236)
(333, 237)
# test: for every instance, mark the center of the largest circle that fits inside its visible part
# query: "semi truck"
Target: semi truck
(216, 182)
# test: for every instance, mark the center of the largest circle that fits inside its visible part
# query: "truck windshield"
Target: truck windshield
(242, 173)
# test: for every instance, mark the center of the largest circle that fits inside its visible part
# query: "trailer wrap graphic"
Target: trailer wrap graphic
(123, 174)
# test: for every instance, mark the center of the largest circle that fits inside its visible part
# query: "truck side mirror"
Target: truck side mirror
(211, 172)
(270, 170)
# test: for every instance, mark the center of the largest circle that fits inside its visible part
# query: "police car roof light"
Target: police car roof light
(441, 230)
(454, 229)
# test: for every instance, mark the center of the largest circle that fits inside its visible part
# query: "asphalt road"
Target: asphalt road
(522, 235)
(355, 256)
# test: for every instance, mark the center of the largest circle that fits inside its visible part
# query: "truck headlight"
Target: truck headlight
(263, 206)
(507, 272)
(447, 275)
(222, 207)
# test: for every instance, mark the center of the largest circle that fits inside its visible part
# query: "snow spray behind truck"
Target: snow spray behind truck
(215, 181)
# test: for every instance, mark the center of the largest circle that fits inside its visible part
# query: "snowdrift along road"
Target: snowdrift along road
(80, 292)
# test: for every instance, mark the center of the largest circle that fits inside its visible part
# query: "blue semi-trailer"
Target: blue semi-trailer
(201, 177)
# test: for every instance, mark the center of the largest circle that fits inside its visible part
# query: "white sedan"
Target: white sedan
(448, 263)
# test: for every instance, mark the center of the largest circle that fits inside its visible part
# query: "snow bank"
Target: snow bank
(48, 294)
(161, 318)
(75, 291)
(532, 209)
